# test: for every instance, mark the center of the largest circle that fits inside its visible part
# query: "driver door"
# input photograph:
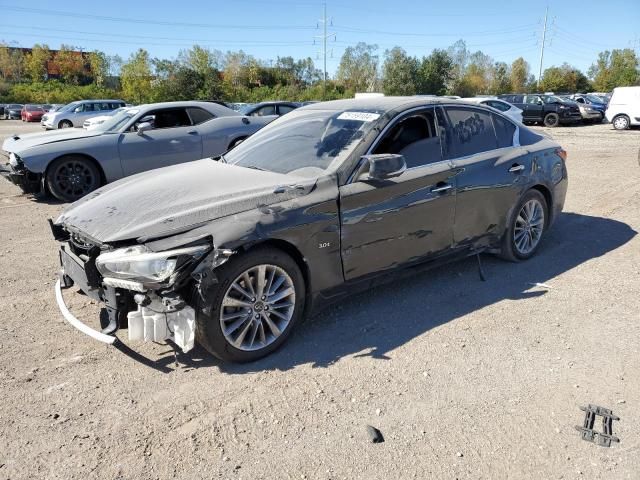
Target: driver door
(401, 220)
(173, 139)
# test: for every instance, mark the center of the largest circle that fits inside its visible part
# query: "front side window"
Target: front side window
(414, 137)
(533, 99)
(471, 131)
(304, 142)
(170, 118)
(285, 109)
(264, 111)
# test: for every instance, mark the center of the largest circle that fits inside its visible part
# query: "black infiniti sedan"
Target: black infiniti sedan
(330, 198)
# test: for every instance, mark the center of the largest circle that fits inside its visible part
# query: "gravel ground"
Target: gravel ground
(465, 379)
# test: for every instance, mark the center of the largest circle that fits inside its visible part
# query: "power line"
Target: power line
(42, 11)
(521, 28)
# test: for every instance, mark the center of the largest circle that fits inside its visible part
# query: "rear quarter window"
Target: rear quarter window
(504, 131)
(199, 115)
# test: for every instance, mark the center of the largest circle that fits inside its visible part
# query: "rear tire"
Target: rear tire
(526, 228)
(71, 177)
(551, 120)
(266, 323)
(236, 142)
(621, 122)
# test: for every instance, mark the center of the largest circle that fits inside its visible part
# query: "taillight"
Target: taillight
(562, 153)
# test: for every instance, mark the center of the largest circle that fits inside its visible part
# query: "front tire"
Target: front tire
(72, 177)
(258, 300)
(551, 120)
(621, 122)
(527, 225)
(65, 124)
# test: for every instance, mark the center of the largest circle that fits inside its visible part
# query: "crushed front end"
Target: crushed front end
(147, 291)
(16, 172)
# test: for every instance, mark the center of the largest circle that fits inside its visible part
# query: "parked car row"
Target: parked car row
(26, 113)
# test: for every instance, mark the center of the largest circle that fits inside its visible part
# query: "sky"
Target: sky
(266, 29)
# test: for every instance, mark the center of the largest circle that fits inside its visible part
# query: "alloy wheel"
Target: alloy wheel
(529, 227)
(257, 307)
(75, 178)
(620, 123)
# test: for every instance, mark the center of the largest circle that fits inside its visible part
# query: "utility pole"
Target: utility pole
(324, 38)
(544, 38)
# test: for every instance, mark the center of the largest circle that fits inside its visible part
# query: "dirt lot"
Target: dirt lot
(465, 379)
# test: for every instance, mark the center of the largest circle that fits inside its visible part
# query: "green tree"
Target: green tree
(99, 65)
(399, 73)
(11, 63)
(70, 62)
(35, 62)
(500, 81)
(519, 76)
(136, 77)
(358, 68)
(564, 78)
(434, 73)
(618, 68)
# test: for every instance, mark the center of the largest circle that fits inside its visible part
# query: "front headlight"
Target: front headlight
(139, 264)
(14, 160)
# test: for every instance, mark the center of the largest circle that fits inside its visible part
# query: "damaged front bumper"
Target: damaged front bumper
(28, 181)
(150, 316)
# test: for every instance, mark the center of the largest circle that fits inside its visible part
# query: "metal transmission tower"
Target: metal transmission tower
(544, 41)
(544, 38)
(324, 38)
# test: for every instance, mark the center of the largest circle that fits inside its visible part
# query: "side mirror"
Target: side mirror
(539, 102)
(143, 127)
(385, 165)
(77, 110)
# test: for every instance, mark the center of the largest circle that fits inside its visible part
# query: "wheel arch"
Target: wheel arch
(548, 196)
(103, 177)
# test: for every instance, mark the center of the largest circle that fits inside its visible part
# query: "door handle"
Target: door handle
(442, 188)
(192, 132)
(515, 168)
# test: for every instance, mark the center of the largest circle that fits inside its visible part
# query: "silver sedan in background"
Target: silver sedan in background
(70, 163)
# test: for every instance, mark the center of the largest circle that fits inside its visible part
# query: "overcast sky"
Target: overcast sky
(577, 30)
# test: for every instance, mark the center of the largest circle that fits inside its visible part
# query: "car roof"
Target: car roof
(215, 108)
(382, 103)
(99, 100)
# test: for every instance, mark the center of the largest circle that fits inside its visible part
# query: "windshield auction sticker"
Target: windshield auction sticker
(360, 116)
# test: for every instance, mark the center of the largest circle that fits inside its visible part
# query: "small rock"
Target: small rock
(621, 401)
(375, 435)
(378, 411)
(459, 454)
(226, 459)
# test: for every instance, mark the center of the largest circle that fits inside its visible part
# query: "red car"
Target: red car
(31, 113)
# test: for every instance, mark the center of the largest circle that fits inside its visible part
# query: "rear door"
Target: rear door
(172, 140)
(487, 159)
(401, 220)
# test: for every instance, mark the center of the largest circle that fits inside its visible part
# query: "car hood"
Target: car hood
(18, 143)
(175, 199)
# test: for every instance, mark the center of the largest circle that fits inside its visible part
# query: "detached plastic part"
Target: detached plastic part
(150, 326)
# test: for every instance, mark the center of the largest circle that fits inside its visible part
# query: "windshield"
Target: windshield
(304, 142)
(553, 99)
(68, 107)
(594, 99)
(245, 109)
(14, 105)
(115, 122)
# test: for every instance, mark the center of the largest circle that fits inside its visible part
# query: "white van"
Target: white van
(624, 107)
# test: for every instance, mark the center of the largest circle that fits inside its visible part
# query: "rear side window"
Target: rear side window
(199, 115)
(504, 131)
(471, 131)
